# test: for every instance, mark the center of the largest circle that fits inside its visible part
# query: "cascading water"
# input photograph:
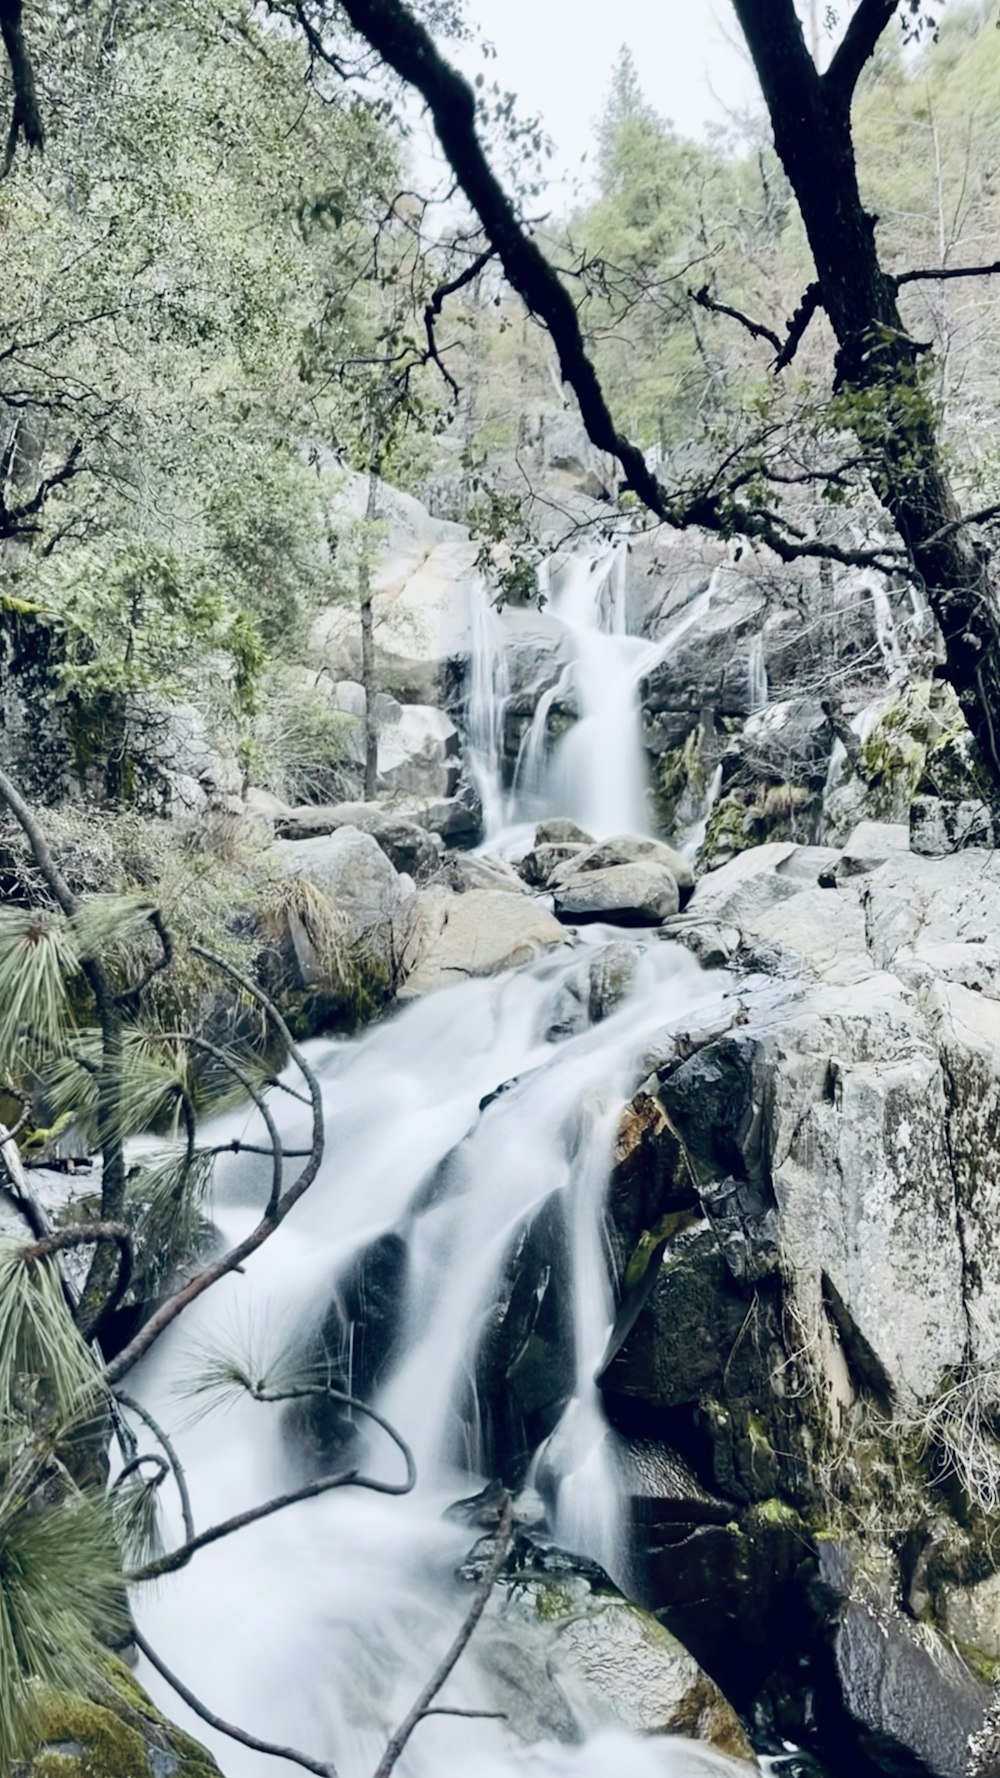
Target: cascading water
(488, 690)
(757, 674)
(318, 1626)
(597, 773)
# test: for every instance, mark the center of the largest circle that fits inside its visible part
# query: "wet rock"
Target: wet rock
(356, 1344)
(526, 1362)
(559, 832)
(626, 849)
(678, 1344)
(599, 1661)
(479, 933)
(912, 1701)
(642, 894)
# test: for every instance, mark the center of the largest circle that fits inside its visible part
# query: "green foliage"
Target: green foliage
(37, 961)
(60, 1593)
(41, 1352)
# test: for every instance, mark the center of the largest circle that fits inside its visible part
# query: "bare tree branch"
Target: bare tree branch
(89, 1234)
(811, 301)
(176, 1467)
(436, 304)
(228, 1728)
(422, 1707)
(941, 273)
(758, 330)
(348, 1478)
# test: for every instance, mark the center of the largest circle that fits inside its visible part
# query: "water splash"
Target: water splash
(757, 674)
(318, 1626)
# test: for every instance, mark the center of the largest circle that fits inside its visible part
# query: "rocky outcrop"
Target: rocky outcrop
(563, 1653)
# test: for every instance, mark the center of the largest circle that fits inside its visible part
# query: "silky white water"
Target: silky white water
(318, 1626)
(597, 773)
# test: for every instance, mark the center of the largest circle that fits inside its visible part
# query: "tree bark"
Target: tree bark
(877, 361)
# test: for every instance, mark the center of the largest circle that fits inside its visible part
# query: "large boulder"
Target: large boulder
(408, 846)
(349, 930)
(423, 584)
(479, 933)
(593, 1661)
(350, 869)
(627, 849)
(640, 894)
(419, 753)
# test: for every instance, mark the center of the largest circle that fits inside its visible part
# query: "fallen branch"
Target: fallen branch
(348, 1478)
(228, 1728)
(422, 1707)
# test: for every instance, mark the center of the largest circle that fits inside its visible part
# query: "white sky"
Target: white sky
(557, 55)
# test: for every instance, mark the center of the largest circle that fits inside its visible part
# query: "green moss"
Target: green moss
(985, 1667)
(726, 833)
(111, 1734)
(776, 1512)
(109, 1748)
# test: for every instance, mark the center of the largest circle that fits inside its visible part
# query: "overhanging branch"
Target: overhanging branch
(868, 21)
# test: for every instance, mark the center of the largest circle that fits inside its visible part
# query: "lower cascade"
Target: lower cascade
(451, 1130)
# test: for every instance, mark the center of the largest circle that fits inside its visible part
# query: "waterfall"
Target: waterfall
(317, 1627)
(885, 629)
(488, 691)
(757, 674)
(693, 838)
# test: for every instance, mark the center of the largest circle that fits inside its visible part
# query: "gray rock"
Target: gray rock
(483, 870)
(971, 1615)
(787, 743)
(940, 825)
(599, 1661)
(913, 1700)
(627, 849)
(408, 846)
(869, 845)
(352, 871)
(559, 832)
(538, 866)
(418, 753)
(625, 894)
(479, 933)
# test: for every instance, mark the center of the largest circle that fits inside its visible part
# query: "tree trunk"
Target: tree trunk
(368, 675)
(878, 363)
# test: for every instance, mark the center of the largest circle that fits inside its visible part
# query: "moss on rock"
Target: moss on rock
(115, 1732)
